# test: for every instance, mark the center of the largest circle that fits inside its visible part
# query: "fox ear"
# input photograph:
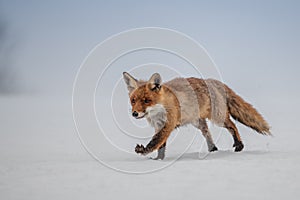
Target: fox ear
(155, 82)
(130, 82)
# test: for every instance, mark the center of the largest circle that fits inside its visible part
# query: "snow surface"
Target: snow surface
(41, 157)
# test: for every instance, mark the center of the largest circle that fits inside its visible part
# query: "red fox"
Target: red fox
(184, 101)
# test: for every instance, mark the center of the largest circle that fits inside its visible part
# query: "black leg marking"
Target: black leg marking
(213, 148)
(155, 140)
(238, 144)
(150, 146)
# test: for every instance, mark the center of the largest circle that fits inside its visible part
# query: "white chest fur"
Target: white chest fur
(156, 116)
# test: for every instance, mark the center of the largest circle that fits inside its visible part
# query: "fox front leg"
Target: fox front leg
(161, 151)
(158, 142)
(140, 149)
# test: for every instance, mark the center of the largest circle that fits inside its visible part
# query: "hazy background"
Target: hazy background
(255, 45)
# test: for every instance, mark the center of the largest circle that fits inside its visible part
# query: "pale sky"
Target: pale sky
(255, 44)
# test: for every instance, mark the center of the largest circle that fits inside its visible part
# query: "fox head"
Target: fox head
(144, 95)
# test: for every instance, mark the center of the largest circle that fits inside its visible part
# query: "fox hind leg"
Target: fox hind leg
(230, 126)
(202, 125)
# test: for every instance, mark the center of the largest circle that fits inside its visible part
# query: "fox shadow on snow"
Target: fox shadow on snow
(217, 155)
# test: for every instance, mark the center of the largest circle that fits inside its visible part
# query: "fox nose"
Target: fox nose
(135, 114)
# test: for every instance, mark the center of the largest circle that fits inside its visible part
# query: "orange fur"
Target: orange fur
(189, 101)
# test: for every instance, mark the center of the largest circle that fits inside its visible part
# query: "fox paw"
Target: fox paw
(140, 149)
(238, 146)
(213, 148)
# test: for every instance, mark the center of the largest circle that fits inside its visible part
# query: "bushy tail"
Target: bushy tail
(244, 112)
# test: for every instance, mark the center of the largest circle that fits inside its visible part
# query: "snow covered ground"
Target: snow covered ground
(255, 44)
(41, 158)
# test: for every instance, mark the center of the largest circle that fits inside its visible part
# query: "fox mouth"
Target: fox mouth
(140, 117)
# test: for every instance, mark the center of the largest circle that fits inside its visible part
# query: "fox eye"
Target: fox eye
(147, 101)
(133, 101)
